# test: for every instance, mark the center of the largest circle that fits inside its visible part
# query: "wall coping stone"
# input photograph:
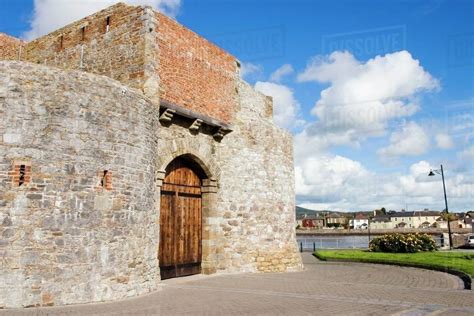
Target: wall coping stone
(181, 111)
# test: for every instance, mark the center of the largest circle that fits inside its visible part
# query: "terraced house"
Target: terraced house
(415, 219)
(131, 151)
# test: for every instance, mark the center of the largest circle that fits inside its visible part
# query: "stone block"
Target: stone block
(102, 203)
(10, 138)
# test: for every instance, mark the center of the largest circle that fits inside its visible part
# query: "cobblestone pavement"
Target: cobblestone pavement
(322, 289)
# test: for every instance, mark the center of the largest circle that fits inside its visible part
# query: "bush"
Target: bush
(402, 243)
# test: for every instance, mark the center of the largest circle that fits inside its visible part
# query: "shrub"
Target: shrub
(402, 243)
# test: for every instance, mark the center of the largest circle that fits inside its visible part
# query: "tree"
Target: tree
(382, 211)
(448, 216)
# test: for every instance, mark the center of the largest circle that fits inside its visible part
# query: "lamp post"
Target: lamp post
(431, 174)
(368, 228)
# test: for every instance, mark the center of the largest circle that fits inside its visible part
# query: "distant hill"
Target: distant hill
(301, 210)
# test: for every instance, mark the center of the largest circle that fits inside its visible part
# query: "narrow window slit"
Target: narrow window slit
(21, 179)
(103, 181)
(61, 42)
(107, 24)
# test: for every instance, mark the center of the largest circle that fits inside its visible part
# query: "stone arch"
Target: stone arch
(209, 170)
(195, 153)
(209, 189)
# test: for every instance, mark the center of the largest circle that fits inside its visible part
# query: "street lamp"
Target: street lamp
(441, 172)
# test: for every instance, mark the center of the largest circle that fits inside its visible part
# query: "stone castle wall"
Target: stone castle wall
(257, 194)
(145, 50)
(11, 48)
(68, 237)
(71, 233)
(117, 51)
(65, 238)
(251, 223)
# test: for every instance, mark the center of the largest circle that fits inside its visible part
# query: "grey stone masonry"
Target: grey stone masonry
(82, 161)
(68, 235)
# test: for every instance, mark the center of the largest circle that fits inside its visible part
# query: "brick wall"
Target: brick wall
(195, 73)
(10, 47)
(116, 51)
(139, 46)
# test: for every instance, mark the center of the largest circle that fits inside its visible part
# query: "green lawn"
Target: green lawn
(440, 260)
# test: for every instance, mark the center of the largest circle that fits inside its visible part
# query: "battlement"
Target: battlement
(143, 49)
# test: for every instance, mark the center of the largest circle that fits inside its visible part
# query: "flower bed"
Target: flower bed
(402, 243)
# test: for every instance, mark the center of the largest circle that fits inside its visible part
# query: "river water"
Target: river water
(308, 243)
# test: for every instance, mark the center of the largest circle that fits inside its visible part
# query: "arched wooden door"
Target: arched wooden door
(180, 221)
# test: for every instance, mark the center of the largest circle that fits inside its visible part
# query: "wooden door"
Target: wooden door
(180, 221)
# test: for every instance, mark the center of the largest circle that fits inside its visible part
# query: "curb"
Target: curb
(466, 278)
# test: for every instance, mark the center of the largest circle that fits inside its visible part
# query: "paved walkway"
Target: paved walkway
(322, 289)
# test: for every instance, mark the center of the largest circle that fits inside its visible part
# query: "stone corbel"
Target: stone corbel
(167, 115)
(195, 125)
(221, 132)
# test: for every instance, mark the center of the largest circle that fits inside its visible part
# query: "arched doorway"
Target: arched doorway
(180, 248)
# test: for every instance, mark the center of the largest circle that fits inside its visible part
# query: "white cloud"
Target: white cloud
(411, 140)
(467, 154)
(50, 15)
(339, 183)
(363, 97)
(318, 206)
(328, 177)
(285, 106)
(444, 141)
(419, 186)
(249, 70)
(281, 72)
(361, 100)
(460, 121)
(313, 141)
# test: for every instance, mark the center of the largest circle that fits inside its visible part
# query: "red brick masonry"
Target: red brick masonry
(193, 73)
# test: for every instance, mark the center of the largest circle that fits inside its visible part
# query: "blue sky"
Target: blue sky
(397, 78)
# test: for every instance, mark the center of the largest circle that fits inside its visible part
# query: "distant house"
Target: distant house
(336, 220)
(310, 221)
(299, 220)
(360, 221)
(381, 222)
(469, 220)
(424, 219)
(459, 222)
(420, 220)
(415, 219)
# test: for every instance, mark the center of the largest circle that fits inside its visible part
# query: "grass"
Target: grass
(437, 260)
